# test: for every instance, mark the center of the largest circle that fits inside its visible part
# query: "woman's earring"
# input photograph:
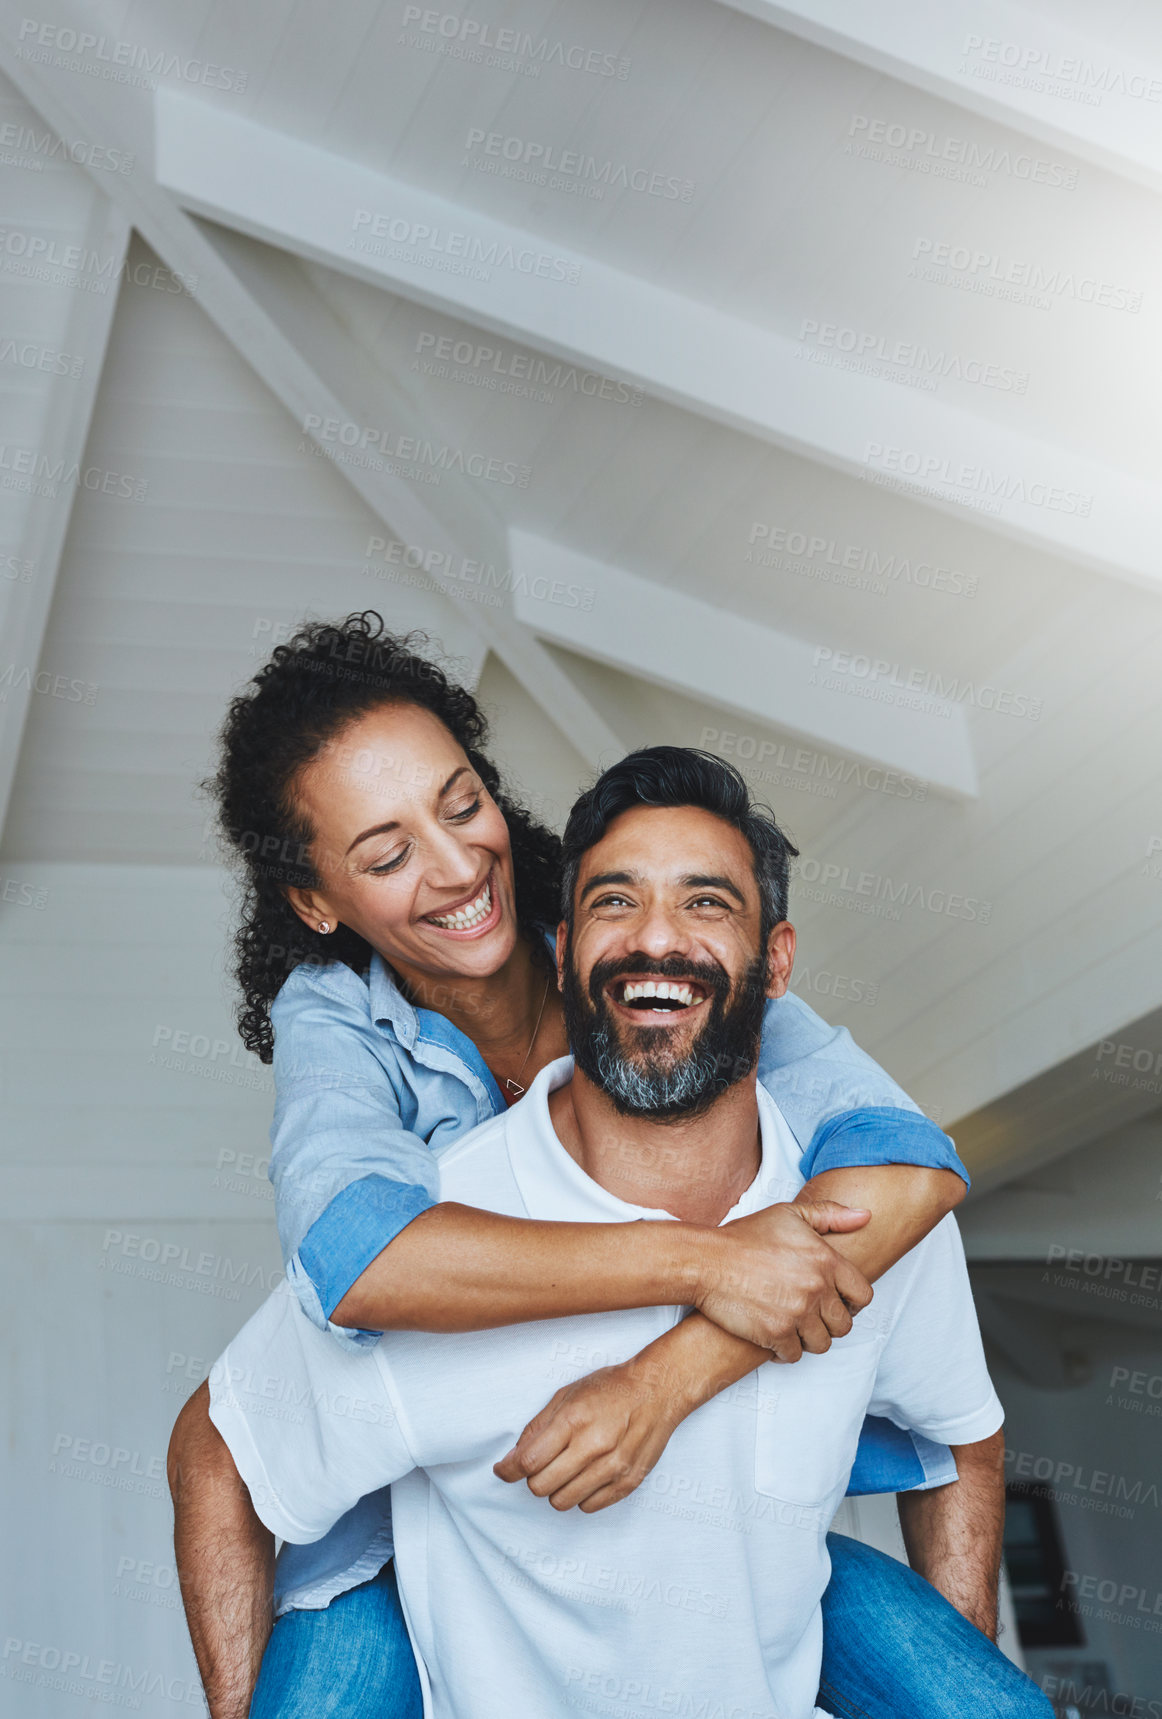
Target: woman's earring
(324, 927)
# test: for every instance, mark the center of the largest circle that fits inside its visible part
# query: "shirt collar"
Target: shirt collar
(388, 1003)
(553, 1185)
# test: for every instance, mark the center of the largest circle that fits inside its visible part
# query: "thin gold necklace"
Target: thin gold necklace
(514, 1086)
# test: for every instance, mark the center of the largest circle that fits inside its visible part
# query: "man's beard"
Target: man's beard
(635, 1066)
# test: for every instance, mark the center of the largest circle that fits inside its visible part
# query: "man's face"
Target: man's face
(665, 974)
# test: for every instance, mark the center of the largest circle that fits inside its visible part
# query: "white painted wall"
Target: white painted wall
(131, 1250)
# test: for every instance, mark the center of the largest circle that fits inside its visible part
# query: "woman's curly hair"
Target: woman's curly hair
(325, 677)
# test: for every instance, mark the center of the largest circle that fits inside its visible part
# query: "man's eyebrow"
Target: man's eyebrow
(604, 877)
(710, 880)
(382, 829)
(692, 880)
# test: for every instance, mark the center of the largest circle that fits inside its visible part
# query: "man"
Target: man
(705, 1584)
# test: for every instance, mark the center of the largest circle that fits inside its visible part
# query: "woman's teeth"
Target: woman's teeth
(662, 990)
(465, 918)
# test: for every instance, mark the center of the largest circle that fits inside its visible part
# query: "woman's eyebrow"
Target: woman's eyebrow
(393, 824)
(376, 830)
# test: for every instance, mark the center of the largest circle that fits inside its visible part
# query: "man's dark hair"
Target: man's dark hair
(681, 776)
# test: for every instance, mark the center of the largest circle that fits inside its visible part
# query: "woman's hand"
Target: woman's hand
(772, 1280)
(595, 1441)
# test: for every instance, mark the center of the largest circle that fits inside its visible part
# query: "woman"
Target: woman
(393, 962)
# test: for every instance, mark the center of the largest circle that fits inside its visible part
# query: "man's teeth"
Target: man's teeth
(465, 918)
(663, 989)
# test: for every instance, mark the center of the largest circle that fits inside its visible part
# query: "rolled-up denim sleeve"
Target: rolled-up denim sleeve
(881, 1134)
(348, 1174)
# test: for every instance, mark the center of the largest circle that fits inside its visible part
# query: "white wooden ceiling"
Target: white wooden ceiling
(706, 413)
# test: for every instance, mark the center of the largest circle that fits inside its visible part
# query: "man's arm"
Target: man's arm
(595, 1441)
(225, 1560)
(953, 1534)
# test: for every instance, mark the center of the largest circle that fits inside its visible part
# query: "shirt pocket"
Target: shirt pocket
(809, 1419)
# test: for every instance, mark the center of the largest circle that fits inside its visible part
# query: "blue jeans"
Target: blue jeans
(352, 1661)
(892, 1649)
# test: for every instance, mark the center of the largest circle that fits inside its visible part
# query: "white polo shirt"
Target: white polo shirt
(698, 1593)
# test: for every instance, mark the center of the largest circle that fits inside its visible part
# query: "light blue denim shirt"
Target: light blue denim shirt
(369, 1092)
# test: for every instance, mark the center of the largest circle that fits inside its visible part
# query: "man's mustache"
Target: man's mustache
(715, 978)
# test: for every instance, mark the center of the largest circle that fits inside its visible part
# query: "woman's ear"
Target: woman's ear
(312, 909)
(780, 958)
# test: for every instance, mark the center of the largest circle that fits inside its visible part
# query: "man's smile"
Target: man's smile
(648, 1000)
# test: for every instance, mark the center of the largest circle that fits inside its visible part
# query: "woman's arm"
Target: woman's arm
(456, 1268)
(596, 1440)
(368, 1249)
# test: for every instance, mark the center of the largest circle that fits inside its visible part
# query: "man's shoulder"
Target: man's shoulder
(477, 1163)
(933, 1268)
(815, 1071)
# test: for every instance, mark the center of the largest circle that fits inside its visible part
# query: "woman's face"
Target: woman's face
(411, 850)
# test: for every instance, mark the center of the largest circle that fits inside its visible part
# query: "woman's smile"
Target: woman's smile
(474, 917)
